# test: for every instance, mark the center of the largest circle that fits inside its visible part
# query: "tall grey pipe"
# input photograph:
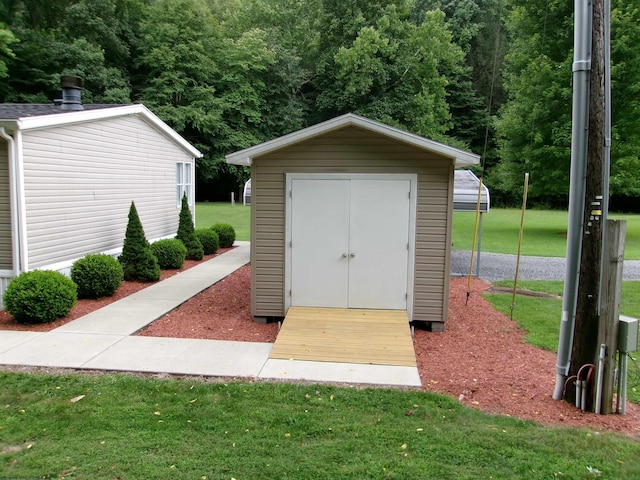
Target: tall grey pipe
(607, 138)
(579, 142)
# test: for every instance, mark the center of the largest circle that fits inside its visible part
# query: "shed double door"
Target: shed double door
(350, 243)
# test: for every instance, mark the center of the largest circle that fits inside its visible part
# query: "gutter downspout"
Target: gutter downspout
(579, 142)
(13, 201)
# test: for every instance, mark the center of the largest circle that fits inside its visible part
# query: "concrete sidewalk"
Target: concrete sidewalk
(103, 340)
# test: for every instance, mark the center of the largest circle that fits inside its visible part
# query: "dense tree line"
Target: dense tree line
(493, 76)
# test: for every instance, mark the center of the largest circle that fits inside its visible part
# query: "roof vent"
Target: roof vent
(71, 92)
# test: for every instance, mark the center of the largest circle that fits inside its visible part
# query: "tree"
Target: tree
(6, 38)
(393, 70)
(137, 260)
(50, 44)
(534, 126)
(187, 233)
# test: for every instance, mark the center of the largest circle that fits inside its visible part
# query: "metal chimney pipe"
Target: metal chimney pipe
(71, 92)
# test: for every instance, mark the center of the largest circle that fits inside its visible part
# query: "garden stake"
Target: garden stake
(524, 207)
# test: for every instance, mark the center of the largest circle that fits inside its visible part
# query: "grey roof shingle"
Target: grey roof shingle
(13, 111)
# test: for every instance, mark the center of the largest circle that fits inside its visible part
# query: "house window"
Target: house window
(183, 183)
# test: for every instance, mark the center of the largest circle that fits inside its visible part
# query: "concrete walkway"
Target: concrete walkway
(103, 340)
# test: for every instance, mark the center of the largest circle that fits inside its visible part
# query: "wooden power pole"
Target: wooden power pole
(585, 340)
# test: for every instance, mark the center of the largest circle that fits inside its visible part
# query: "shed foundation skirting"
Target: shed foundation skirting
(5, 278)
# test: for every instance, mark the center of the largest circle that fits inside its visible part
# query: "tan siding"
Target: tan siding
(6, 247)
(352, 151)
(80, 181)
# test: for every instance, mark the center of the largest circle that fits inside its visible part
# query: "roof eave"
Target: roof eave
(245, 157)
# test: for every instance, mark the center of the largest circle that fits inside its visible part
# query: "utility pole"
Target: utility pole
(589, 178)
(585, 344)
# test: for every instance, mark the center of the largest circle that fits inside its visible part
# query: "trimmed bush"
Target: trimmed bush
(170, 253)
(187, 233)
(209, 240)
(137, 260)
(97, 275)
(226, 234)
(40, 296)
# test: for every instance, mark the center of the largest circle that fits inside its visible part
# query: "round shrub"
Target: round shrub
(40, 296)
(226, 234)
(170, 253)
(97, 275)
(209, 240)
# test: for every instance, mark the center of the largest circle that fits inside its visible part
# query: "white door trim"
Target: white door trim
(412, 177)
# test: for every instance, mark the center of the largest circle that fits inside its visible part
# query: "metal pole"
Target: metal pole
(580, 123)
(607, 136)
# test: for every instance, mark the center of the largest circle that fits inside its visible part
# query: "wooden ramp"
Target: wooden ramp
(378, 337)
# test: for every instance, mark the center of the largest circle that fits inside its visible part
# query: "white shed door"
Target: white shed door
(349, 243)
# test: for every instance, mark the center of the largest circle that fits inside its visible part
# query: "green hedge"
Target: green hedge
(226, 234)
(170, 253)
(40, 296)
(209, 240)
(97, 275)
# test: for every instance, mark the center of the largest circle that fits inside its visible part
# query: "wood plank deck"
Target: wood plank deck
(378, 337)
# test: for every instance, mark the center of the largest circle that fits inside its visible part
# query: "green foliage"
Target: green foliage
(226, 234)
(170, 253)
(138, 261)
(209, 239)
(97, 275)
(187, 234)
(534, 127)
(40, 296)
(6, 38)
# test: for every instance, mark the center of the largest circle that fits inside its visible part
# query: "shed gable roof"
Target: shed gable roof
(245, 157)
(37, 116)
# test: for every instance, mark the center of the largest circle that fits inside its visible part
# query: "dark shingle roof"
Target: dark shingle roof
(13, 111)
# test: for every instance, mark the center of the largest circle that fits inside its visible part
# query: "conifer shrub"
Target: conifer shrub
(137, 260)
(187, 233)
(226, 234)
(40, 296)
(170, 253)
(209, 240)
(97, 275)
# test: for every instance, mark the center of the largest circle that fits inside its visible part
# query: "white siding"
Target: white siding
(80, 181)
(5, 210)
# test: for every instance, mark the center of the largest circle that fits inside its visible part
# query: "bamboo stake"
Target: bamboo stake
(524, 207)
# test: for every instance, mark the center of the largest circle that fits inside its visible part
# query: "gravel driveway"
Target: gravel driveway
(498, 266)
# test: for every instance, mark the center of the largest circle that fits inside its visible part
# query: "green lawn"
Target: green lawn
(133, 428)
(236, 215)
(544, 233)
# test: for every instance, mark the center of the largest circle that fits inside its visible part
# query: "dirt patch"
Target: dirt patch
(481, 359)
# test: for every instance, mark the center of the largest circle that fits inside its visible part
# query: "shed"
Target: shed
(68, 177)
(352, 213)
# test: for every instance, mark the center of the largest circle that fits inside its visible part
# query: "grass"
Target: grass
(544, 232)
(238, 216)
(540, 318)
(130, 427)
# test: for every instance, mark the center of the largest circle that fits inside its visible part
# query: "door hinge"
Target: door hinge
(406, 296)
(290, 193)
(289, 292)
